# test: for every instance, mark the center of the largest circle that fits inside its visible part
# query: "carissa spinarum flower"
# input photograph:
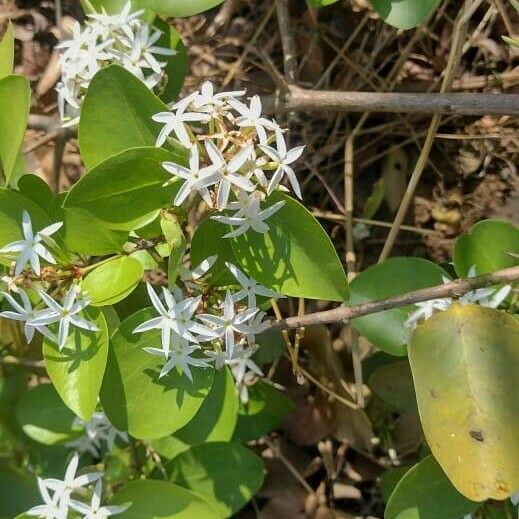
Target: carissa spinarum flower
(232, 163)
(31, 248)
(66, 314)
(124, 39)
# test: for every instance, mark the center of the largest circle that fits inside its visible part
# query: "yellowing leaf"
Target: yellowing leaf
(465, 363)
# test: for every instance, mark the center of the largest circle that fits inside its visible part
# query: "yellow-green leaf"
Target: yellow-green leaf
(465, 363)
(7, 52)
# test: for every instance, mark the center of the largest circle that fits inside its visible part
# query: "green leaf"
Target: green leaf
(226, 475)
(44, 417)
(295, 257)
(180, 8)
(18, 492)
(177, 65)
(405, 14)
(426, 493)
(13, 384)
(36, 189)
(207, 241)
(265, 410)
(127, 191)
(214, 421)
(216, 418)
(321, 3)
(116, 115)
(86, 234)
(396, 276)
(389, 480)
(12, 206)
(15, 99)
(113, 281)
(393, 383)
(133, 396)
(77, 370)
(486, 247)
(7, 51)
(465, 362)
(151, 499)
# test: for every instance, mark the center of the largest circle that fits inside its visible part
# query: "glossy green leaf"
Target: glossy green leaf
(116, 115)
(133, 396)
(180, 8)
(77, 370)
(127, 191)
(214, 421)
(15, 100)
(44, 417)
(18, 492)
(216, 418)
(395, 276)
(465, 362)
(177, 65)
(86, 234)
(36, 189)
(226, 475)
(152, 499)
(487, 247)
(266, 408)
(393, 383)
(405, 14)
(7, 51)
(295, 257)
(112, 281)
(389, 480)
(208, 241)
(426, 493)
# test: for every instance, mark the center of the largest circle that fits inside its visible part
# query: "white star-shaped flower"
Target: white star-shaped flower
(249, 217)
(214, 104)
(31, 248)
(141, 49)
(230, 322)
(52, 507)
(244, 369)
(282, 158)
(98, 429)
(63, 488)
(175, 122)
(67, 314)
(192, 176)
(191, 276)
(175, 318)
(250, 288)
(24, 312)
(226, 173)
(95, 510)
(250, 117)
(180, 356)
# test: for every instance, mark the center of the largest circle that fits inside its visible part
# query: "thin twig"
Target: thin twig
(287, 41)
(453, 289)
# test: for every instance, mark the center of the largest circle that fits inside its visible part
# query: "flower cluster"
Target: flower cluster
(124, 39)
(489, 297)
(46, 311)
(58, 500)
(237, 157)
(224, 334)
(97, 430)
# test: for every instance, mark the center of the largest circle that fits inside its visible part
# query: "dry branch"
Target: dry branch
(395, 102)
(454, 289)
